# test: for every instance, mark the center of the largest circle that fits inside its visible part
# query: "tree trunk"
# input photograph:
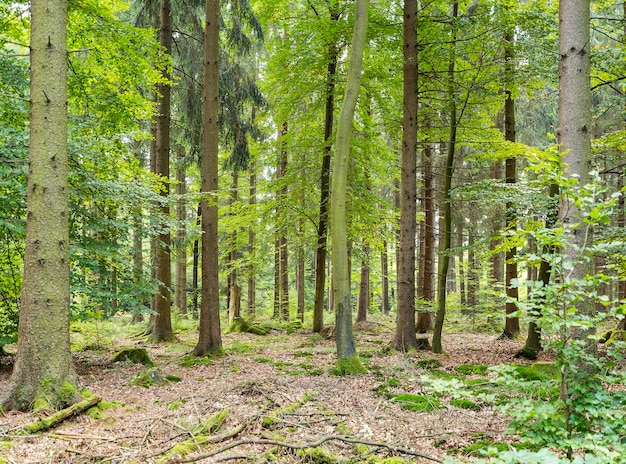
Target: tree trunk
(461, 263)
(471, 268)
(196, 259)
(162, 324)
(497, 267)
(43, 366)
(575, 144)
(210, 337)
(346, 351)
(511, 325)
(621, 222)
(384, 271)
(180, 291)
(322, 228)
(404, 338)
(447, 215)
(284, 251)
(300, 277)
(252, 244)
(233, 255)
(276, 313)
(364, 287)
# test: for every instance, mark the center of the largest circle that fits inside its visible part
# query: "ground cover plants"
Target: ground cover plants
(278, 400)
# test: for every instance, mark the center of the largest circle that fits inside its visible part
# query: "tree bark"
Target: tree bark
(322, 228)
(384, 271)
(284, 251)
(364, 287)
(341, 287)
(252, 244)
(447, 218)
(511, 324)
(180, 290)
(210, 337)
(161, 329)
(196, 260)
(43, 366)
(404, 338)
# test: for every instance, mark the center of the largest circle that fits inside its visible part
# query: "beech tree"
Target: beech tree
(43, 375)
(347, 361)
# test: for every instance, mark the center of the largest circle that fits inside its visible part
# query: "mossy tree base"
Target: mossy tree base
(50, 394)
(349, 366)
(134, 355)
(48, 422)
(526, 353)
(240, 325)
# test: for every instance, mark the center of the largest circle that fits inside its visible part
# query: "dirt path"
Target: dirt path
(279, 387)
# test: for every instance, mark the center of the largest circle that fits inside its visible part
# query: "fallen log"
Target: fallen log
(45, 423)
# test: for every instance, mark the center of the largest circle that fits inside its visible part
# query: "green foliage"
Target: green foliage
(471, 369)
(465, 404)
(348, 366)
(241, 325)
(429, 363)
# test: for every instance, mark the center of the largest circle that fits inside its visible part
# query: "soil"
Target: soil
(284, 377)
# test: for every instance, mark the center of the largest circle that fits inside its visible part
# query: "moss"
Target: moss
(240, 325)
(548, 368)
(212, 424)
(530, 373)
(104, 405)
(418, 403)
(428, 363)
(526, 353)
(441, 374)
(616, 336)
(134, 356)
(465, 404)
(148, 378)
(271, 420)
(173, 378)
(471, 369)
(349, 366)
(50, 397)
(174, 405)
(318, 456)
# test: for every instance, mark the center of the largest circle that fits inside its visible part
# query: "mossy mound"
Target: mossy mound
(428, 363)
(133, 356)
(537, 372)
(465, 404)
(471, 369)
(418, 403)
(148, 378)
(526, 353)
(474, 448)
(240, 325)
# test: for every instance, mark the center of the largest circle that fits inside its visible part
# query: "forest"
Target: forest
(324, 231)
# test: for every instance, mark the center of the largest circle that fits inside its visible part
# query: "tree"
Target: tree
(574, 138)
(404, 338)
(347, 361)
(161, 328)
(210, 336)
(43, 375)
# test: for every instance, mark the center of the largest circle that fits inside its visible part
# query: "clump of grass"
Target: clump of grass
(471, 369)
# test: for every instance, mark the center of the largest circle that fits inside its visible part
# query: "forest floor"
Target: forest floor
(276, 388)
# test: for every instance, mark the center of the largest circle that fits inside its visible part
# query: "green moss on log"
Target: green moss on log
(240, 325)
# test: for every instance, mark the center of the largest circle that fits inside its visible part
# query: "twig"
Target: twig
(261, 441)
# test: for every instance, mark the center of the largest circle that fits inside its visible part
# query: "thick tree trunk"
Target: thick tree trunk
(43, 367)
(210, 337)
(162, 324)
(575, 145)
(404, 338)
(346, 351)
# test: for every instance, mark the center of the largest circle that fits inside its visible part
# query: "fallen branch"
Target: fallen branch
(45, 423)
(262, 441)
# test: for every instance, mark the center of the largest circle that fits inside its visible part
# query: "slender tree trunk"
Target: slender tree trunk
(180, 291)
(461, 263)
(447, 218)
(497, 267)
(404, 338)
(364, 287)
(341, 287)
(322, 228)
(234, 291)
(43, 365)
(196, 259)
(162, 326)
(384, 270)
(277, 280)
(471, 268)
(210, 337)
(511, 325)
(621, 223)
(300, 277)
(282, 245)
(252, 245)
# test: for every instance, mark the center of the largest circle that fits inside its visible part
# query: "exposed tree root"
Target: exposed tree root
(297, 446)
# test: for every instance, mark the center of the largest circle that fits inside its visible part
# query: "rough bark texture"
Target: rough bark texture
(196, 261)
(210, 337)
(384, 271)
(621, 222)
(404, 338)
(161, 329)
(276, 313)
(234, 306)
(284, 251)
(341, 286)
(322, 227)
(43, 367)
(574, 136)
